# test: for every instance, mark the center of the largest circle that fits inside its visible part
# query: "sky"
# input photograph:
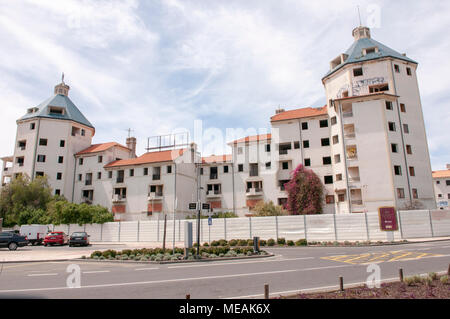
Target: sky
(160, 66)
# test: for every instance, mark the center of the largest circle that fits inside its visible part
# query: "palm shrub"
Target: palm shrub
(271, 242)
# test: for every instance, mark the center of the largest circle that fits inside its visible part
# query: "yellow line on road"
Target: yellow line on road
(401, 256)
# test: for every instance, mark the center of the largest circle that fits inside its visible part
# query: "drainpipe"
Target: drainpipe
(345, 158)
(174, 202)
(74, 176)
(35, 150)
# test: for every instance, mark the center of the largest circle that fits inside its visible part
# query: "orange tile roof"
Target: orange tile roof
(366, 95)
(441, 174)
(299, 113)
(217, 159)
(254, 138)
(147, 158)
(100, 148)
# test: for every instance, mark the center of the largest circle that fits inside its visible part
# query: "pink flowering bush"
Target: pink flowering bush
(305, 192)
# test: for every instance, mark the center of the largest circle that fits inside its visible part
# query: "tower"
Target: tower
(48, 136)
(378, 130)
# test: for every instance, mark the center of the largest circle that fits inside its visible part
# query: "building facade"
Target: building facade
(368, 145)
(441, 182)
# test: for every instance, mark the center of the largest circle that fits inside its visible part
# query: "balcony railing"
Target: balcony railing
(357, 202)
(118, 198)
(156, 177)
(283, 152)
(119, 180)
(214, 192)
(213, 176)
(354, 179)
(347, 114)
(88, 182)
(254, 191)
(350, 135)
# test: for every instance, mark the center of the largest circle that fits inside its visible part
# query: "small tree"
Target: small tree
(269, 209)
(305, 192)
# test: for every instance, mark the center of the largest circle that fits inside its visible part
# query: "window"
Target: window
(391, 126)
(304, 126)
(100, 159)
(326, 160)
(57, 192)
(412, 171)
(80, 177)
(409, 149)
(325, 142)
(169, 169)
(83, 132)
(43, 142)
(306, 144)
(145, 171)
(75, 131)
(396, 68)
(80, 161)
(440, 195)
(88, 179)
(448, 196)
(358, 72)
(438, 182)
(110, 174)
(371, 50)
(120, 176)
(225, 169)
(62, 143)
(337, 158)
(400, 193)
(41, 158)
(239, 150)
(447, 182)
(283, 149)
(22, 145)
(341, 197)
(323, 123)
(328, 179)
(415, 193)
(99, 175)
(40, 174)
(268, 148)
(56, 111)
(240, 167)
(402, 108)
(32, 126)
(296, 145)
(389, 106)
(338, 177)
(253, 169)
(60, 159)
(394, 148)
(408, 71)
(201, 170)
(333, 120)
(213, 172)
(285, 165)
(335, 139)
(58, 176)
(329, 199)
(121, 193)
(398, 170)
(268, 165)
(156, 173)
(307, 162)
(379, 88)
(405, 128)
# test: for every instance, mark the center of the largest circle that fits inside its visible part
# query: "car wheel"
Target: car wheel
(12, 246)
(45, 244)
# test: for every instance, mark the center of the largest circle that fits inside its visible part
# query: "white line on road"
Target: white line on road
(175, 280)
(35, 275)
(239, 262)
(95, 271)
(139, 269)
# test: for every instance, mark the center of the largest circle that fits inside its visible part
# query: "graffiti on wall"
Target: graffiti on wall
(359, 86)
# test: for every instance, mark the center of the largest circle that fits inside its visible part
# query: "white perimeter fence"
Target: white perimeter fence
(357, 227)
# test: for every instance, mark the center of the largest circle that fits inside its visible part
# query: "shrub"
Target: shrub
(215, 243)
(335, 243)
(124, 257)
(281, 241)
(290, 243)
(249, 253)
(268, 209)
(144, 258)
(242, 242)
(444, 280)
(126, 252)
(271, 242)
(212, 256)
(250, 242)
(417, 279)
(96, 253)
(428, 281)
(206, 244)
(233, 242)
(432, 275)
(262, 242)
(409, 281)
(109, 253)
(301, 242)
(223, 242)
(102, 257)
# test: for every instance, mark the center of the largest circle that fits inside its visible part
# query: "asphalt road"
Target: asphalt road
(291, 270)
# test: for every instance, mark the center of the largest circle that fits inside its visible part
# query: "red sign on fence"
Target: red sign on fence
(388, 218)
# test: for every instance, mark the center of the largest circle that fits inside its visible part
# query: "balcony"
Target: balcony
(7, 171)
(155, 196)
(118, 198)
(88, 182)
(213, 176)
(119, 180)
(254, 192)
(87, 200)
(352, 152)
(156, 177)
(213, 194)
(347, 114)
(357, 202)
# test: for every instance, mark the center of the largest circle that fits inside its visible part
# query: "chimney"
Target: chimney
(278, 111)
(131, 144)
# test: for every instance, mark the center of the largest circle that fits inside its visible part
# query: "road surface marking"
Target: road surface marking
(95, 271)
(380, 257)
(238, 262)
(35, 275)
(139, 269)
(172, 280)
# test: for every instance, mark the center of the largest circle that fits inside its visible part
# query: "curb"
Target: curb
(348, 286)
(174, 261)
(35, 261)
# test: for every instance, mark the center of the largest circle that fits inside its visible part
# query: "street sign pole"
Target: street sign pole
(198, 229)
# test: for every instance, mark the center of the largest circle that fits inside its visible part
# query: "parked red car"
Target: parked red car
(56, 238)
